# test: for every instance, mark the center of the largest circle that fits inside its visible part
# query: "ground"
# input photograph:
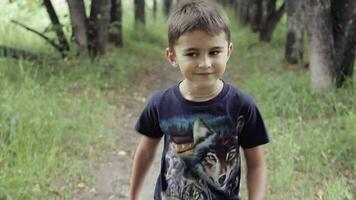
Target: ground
(112, 174)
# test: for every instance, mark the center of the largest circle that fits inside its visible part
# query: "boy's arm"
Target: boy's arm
(256, 172)
(143, 159)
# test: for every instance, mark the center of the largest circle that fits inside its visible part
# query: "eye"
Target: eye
(191, 54)
(231, 155)
(214, 53)
(210, 157)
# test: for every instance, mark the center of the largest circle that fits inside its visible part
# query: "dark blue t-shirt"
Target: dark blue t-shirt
(201, 157)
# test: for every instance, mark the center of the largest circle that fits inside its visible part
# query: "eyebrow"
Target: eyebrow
(213, 48)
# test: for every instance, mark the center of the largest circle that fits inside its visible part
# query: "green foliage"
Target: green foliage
(45, 135)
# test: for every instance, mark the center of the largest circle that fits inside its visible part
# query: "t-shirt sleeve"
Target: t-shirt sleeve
(148, 122)
(254, 132)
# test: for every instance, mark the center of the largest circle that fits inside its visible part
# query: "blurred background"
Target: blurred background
(74, 75)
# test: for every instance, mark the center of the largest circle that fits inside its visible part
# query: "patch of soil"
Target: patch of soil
(112, 174)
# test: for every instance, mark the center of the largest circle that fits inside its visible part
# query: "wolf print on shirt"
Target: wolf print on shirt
(206, 167)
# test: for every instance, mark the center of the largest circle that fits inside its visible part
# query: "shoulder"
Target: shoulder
(158, 97)
(237, 95)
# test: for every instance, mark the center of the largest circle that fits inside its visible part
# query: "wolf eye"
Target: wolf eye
(231, 155)
(210, 157)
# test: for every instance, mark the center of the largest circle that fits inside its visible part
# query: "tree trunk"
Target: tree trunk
(57, 26)
(115, 30)
(243, 11)
(295, 32)
(344, 23)
(154, 10)
(270, 19)
(79, 24)
(332, 34)
(321, 45)
(167, 4)
(255, 14)
(98, 26)
(139, 12)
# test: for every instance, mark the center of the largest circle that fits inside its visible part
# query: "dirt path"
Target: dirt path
(112, 176)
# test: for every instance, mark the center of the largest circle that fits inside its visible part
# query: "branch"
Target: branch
(39, 34)
(18, 53)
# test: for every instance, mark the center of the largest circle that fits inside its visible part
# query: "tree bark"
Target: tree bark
(243, 6)
(167, 4)
(295, 32)
(332, 34)
(115, 31)
(79, 24)
(139, 12)
(98, 26)
(270, 19)
(154, 10)
(57, 25)
(255, 14)
(344, 30)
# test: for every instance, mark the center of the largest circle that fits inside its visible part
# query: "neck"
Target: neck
(194, 92)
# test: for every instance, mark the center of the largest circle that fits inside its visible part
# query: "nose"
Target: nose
(205, 62)
(222, 179)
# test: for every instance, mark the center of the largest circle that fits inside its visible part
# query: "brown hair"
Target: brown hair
(190, 15)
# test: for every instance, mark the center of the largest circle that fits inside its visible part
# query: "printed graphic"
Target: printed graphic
(204, 165)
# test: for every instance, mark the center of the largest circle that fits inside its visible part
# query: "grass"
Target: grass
(55, 114)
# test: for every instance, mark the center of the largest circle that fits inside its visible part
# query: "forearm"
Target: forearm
(141, 164)
(256, 182)
(142, 161)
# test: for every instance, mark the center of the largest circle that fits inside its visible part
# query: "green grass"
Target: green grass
(54, 114)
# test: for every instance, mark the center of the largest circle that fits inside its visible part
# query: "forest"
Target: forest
(75, 74)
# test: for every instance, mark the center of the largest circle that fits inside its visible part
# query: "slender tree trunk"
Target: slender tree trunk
(244, 11)
(167, 4)
(99, 24)
(139, 12)
(344, 23)
(270, 19)
(295, 32)
(154, 10)
(115, 30)
(79, 24)
(321, 45)
(255, 14)
(57, 25)
(332, 34)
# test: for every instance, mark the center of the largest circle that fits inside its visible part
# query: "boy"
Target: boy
(203, 119)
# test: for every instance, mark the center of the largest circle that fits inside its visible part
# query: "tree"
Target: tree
(63, 43)
(115, 30)
(255, 14)
(332, 40)
(270, 18)
(139, 12)
(167, 5)
(295, 32)
(98, 26)
(242, 8)
(79, 24)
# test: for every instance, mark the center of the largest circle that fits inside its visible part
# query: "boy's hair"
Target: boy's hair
(190, 15)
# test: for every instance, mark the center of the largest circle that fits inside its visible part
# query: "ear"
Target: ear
(230, 49)
(171, 56)
(240, 124)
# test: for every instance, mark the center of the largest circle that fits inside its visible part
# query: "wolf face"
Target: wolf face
(216, 156)
(210, 165)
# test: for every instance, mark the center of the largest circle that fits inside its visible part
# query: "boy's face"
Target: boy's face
(201, 57)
